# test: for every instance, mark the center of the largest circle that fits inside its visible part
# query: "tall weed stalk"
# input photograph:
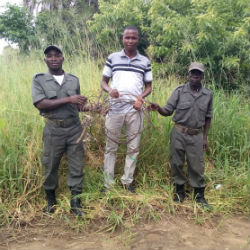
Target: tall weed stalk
(21, 171)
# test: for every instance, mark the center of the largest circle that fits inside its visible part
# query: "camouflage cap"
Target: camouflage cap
(50, 47)
(197, 66)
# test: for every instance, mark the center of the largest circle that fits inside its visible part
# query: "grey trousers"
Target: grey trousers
(56, 142)
(133, 123)
(191, 146)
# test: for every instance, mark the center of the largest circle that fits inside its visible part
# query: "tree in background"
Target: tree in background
(113, 16)
(65, 25)
(177, 32)
(36, 6)
(173, 32)
(16, 26)
(60, 22)
(215, 32)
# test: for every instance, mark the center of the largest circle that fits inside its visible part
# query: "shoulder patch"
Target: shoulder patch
(39, 74)
(180, 87)
(207, 90)
(73, 75)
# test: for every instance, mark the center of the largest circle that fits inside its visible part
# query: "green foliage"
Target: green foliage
(21, 171)
(16, 26)
(66, 27)
(177, 32)
(108, 25)
(173, 33)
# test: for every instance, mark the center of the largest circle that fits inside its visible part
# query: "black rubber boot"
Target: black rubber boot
(75, 203)
(179, 195)
(200, 199)
(51, 201)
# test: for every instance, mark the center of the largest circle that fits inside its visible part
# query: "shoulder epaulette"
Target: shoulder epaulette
(180, 86)
(207, 90)
(73, 75)
(39, 74)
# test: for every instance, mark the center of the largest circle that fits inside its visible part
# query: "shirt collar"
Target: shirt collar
(123, 54)
(187, 88)
(49, 76)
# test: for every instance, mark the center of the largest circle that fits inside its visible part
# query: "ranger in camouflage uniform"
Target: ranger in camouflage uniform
(192, 104)
(57, 96)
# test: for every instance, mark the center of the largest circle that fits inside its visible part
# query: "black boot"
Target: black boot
(200, 199)
(179, 196)
(51, 201)
(75, 204)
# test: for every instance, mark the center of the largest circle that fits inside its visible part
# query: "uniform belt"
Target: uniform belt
(63, 123)
(189, 131)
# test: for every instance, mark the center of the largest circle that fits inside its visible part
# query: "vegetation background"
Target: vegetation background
(173, 33)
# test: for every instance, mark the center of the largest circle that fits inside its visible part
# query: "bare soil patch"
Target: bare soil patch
(170, 232)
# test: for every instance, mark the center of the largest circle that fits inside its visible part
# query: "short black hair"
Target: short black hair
(132, 27)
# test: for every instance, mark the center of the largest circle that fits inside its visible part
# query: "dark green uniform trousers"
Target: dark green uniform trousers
(57, 141)
(191, 146)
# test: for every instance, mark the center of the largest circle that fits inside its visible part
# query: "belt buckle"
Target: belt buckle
(60, 123)
(192, 132)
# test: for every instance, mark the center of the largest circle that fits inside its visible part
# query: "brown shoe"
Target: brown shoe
(130, 188)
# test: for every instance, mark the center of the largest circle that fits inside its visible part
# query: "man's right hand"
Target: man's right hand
(78, 99)
(154, 106)
(114, 93)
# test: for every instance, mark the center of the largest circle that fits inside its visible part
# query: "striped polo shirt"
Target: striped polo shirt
(128, 76)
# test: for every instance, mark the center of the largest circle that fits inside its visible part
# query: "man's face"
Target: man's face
(195, 76)
(130, 40)
(54, 59)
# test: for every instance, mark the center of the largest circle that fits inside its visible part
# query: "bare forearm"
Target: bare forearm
(52, 104)
(206, 127)
(161, 111)
(147, 90)
(105, 87)
(55, 103)
(104, 84)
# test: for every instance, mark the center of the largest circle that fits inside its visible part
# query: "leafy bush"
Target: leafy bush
(16, 26)
(177, 32)
(173, 33)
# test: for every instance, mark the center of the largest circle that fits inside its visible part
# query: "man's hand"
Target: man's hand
(55, 103)
(205, 132)
(154, 106)
(114, 93)
(78, 99)
(205, 144)
(138, 103)
(99, 108)
(83, 108)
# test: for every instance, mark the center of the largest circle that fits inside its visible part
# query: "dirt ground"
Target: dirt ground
(171, 232)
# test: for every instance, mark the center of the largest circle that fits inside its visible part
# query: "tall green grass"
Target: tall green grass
(21, 171)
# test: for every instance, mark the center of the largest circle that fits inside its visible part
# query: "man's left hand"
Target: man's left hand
(138, 103)
(205, 144)
(83, 108)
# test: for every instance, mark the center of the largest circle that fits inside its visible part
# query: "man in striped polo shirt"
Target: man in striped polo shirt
(131, 80)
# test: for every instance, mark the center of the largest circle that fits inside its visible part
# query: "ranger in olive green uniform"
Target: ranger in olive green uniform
(192, 104)
(57, 96)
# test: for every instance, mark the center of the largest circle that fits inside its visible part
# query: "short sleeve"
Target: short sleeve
(78, 89)
(172, 101)
(148, 77)
(37, 91)
(209, 113)
(107, 71)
